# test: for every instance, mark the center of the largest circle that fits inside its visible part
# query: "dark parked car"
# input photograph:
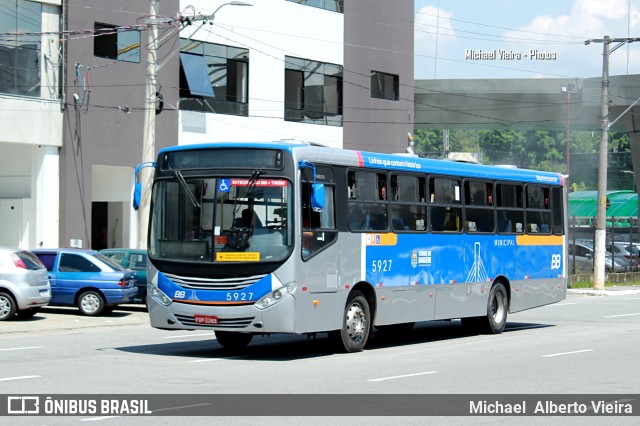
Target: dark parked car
(24, 286)
(136, 260)
(87, 279)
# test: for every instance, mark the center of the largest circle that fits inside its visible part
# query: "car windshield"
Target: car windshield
(221, 220)
(109, 262)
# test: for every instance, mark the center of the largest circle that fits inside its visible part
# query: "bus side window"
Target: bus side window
(445, 210)
(318, 227)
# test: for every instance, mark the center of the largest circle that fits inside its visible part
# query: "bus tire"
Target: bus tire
(233, 340)
(356, 325)
(496, 318)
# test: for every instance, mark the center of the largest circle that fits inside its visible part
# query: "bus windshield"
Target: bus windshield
(205, 219)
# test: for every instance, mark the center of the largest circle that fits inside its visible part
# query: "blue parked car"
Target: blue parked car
(86, 279)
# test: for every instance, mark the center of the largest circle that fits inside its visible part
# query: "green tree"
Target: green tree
(428, 143)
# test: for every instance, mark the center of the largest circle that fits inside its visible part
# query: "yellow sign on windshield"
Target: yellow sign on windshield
(249, 256)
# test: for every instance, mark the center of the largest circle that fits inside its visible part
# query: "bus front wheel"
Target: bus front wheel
(233, 340)
(356, 325)
(496, 318)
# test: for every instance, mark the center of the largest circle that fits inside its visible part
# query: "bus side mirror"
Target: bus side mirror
(317, 196)
(137, 187)
(137, 193)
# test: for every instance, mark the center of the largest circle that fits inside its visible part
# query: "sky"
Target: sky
(448, 33)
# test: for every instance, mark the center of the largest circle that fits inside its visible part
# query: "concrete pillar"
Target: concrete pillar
(46, 196)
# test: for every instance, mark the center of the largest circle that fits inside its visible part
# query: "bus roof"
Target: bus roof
(398, 162)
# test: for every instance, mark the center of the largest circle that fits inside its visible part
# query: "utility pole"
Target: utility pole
(149, 134)
(601, 218)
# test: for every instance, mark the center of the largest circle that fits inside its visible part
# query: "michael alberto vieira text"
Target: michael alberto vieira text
(550, 407)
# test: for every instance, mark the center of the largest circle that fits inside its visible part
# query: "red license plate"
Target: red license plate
(205, 319)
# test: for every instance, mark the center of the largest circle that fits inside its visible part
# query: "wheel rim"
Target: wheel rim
(90, 303)
(498, 307)
(356, 323)
(5, 307)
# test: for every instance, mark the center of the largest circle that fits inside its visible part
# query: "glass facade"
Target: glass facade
(214, 78)
(116, 43)
(332, 5)
(20, 54)
(313, 92)
(385, 86)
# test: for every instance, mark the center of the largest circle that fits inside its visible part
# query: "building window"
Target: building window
(20, 54)
(385, 86)
(116, 43)
(214, 78)
(332, 5)
(312, 92)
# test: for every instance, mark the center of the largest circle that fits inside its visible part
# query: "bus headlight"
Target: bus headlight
(275, 296)
(159, 295)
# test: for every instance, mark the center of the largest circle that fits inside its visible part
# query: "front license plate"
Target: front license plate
(205, 319)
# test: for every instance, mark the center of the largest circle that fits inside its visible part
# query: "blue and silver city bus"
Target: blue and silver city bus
(287, 237)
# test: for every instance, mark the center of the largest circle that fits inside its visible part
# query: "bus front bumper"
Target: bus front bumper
(278, 318)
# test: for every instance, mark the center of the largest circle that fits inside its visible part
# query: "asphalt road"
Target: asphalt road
(583, 345)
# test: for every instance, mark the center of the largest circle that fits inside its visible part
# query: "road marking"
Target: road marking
(6, 379)
(622, 315)
(19, 349)
(567, 353)
(401, 377)
(188, 335)
(220, 359)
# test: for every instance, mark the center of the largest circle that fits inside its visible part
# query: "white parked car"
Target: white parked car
(24, 284)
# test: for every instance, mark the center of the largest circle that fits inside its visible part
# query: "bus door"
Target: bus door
(319, 251)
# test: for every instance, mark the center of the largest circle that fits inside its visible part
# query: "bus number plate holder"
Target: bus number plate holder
(205, 319)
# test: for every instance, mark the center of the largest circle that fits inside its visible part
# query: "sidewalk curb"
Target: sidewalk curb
(592, 292)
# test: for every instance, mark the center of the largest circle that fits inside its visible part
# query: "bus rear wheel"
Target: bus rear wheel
(356, 325)
(496, 318)
(232, 340)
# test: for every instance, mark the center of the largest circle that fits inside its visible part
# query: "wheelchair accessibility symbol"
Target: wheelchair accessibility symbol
(224, 185)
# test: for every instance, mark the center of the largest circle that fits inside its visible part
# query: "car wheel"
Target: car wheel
(28, 313)
(7, 306)
(91, 303)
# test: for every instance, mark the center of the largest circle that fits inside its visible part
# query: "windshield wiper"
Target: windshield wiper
(252, 182)
(184, 185)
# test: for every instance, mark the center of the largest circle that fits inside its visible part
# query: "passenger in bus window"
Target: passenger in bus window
(377, 218)
(249, 219)
(437, 218)
(504, 223)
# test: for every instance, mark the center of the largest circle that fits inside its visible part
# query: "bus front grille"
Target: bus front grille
(231, 283)
(241, 322)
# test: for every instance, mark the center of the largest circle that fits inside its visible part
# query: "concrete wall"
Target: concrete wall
(271, 30)
(30, 137)
(378, 37)
(105, 127)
